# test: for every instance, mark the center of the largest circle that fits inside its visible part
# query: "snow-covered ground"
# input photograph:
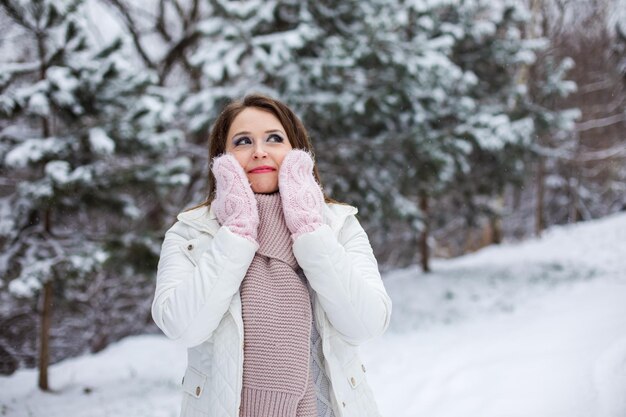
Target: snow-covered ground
(534, 329)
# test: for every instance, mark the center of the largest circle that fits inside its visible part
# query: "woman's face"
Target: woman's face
(258, 141)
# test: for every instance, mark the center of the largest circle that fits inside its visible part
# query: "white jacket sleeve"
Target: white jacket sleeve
(193, 292)
(344, 273)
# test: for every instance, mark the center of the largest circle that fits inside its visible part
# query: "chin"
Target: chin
(264, 184)
(264, 189)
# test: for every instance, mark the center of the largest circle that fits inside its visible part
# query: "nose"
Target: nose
(259, 152)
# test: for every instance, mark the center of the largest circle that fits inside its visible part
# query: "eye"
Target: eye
(243, 140)
(275, 138)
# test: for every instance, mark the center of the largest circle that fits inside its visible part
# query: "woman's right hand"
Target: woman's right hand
(234, 204)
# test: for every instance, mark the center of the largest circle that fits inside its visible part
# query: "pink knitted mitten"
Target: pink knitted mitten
(234, 203)
(301, 195)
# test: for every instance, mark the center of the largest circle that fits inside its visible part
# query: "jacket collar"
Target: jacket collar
(203, 218)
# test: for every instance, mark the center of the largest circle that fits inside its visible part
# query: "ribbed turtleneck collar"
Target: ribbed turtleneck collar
(269, 205)
(274, 236)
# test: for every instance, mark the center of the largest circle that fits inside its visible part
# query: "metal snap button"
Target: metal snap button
(190, 247)
(197, 390)
(352, 380)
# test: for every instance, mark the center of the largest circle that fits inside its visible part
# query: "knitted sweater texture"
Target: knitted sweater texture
(277, 319)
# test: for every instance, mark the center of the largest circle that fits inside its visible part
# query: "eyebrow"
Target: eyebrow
(267, 131)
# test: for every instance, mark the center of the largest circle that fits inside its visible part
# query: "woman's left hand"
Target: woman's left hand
(301, 195)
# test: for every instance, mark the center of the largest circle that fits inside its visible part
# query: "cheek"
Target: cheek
(281, 156)
(241, 157)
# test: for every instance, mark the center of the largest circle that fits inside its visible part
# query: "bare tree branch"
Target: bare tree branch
(16, 15)
(176, 53)
(181, 12)
(598, 123)
(161, 26)
(618, 151)
(132, 28)
(610, 107)
(596, 86)
(193, 15)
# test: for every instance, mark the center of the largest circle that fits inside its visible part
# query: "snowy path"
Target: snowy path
(536, 329)
(561, 355)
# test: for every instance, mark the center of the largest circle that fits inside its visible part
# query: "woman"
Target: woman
(270, 285)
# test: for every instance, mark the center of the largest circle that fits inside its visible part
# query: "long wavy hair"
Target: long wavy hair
(295, 130)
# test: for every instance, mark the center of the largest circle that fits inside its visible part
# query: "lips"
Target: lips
(261, 170)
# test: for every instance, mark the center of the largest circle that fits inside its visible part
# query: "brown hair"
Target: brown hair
(296, 133)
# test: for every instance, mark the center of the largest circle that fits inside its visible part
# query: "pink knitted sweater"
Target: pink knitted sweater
(277, 320)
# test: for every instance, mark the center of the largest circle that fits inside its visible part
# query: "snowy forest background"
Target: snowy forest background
(452, 125)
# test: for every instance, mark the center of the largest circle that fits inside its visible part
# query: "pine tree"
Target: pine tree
(428, 109)
(409, 103)
(423, 98)
(82, 136)
(251, 47)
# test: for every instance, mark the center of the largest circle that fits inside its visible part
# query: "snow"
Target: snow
(530, 329)
(61, 173)
(543, 359)
(62, 78)
(58, 171)
(100, 142)
(33, 150)
(25, 287)
(103, 26)
(38, 104)
(126, 379)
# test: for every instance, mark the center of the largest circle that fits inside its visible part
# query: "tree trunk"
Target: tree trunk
(533, 31)
(423, 241)
(44, 336)
(574, 213)
(575, 168)
(48, 292)
(495, 222)
(539, 220)
(41, 47)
